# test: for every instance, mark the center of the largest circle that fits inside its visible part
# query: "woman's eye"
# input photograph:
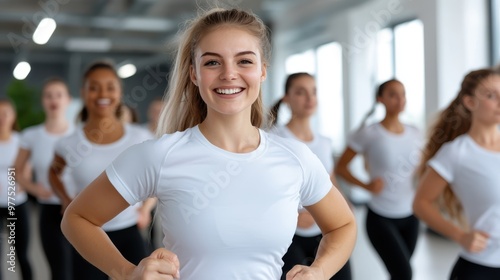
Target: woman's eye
(246, 61)
(211, 63)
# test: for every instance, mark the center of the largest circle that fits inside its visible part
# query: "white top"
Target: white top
(88, 160)
(321, 147)
(473, 173)
(40, 143)
(393, 158)
(8, 153)
(226, 215)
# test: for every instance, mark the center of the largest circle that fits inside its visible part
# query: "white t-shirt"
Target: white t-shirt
(322, 148)
(393, 158)
(40, 143)
(474, 176)
(8, 153)
(88, 160)
(226, 215)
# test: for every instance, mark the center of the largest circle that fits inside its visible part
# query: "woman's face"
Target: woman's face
(101, 93)
(228, 70)
(7, 116)
(301, 96)
(485, 102)
(393, 97)
(55, 98)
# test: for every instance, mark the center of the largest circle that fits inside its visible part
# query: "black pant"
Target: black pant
(466, 270)
(55, 246)
(303, 251)
(394, 240)
(128, 241)
(18, 235)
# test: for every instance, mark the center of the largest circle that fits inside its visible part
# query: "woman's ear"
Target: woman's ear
(192, 75)
(469, 102)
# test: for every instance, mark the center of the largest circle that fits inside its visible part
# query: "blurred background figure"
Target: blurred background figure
(37, 150)
(103, 135)
(460, 173)
(154, 111)
(13, 199)
(300, 96)
(391, 150)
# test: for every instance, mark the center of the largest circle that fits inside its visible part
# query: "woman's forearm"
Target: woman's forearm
(94, 244)
(335, 249)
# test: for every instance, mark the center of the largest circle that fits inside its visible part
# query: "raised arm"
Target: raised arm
(336, 220)
(425, 207)
(95, 205)
(342, 169)
(23, 168)
(56, 168)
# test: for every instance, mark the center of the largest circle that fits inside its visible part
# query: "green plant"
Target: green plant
(28, 104)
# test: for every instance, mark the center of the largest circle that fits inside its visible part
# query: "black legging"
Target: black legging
(303, 251)
(18, 235)
(128, 241)
(55, 246)
(394, 240)
(466, 270)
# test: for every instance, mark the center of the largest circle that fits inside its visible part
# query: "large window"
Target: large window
(400, 55)
(325, 63)
(495, 31)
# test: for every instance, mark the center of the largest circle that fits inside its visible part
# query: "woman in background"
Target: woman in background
(13, 199)
(460, 170)
(95, 143)
(37, 150)
(392, 151)
(300, 95)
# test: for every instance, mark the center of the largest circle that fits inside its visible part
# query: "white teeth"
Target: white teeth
(228, 90)
(104, 101)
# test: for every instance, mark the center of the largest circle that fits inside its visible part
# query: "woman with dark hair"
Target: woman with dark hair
(460, 173)
(300, 95)
(95, 143)
(391, 151)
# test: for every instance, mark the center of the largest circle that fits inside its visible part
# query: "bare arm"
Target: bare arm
(336, 220)
(342, 169)
(55, 171)
(95, 205)
(23, 168)
(425, 207)
(145, 212)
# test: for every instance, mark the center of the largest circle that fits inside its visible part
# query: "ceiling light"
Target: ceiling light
(88, 44)
(127, 70)
(44, 30)
(22, 70)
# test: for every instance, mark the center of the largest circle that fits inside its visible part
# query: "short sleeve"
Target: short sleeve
(444, 162)
(357, 141)
(135, 172)
(317, 181)
(26, 140)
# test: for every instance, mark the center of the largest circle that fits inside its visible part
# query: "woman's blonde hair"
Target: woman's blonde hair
(184, 106)
(452, 122)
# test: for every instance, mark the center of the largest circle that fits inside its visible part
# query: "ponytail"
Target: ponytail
(378, 93)
(273, 113)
